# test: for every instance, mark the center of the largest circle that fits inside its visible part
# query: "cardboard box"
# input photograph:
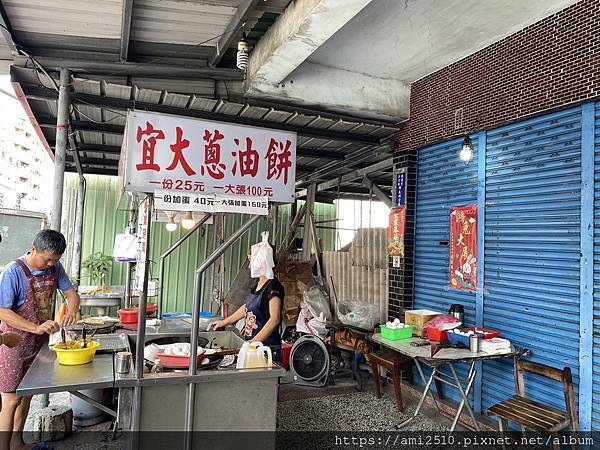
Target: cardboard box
(419, 317)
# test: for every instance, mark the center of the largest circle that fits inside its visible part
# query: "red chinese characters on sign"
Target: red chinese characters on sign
(148, 138)
(194, 155)
(463, 248)
(178, 158)
(278, 162)
(212, 155)
(247, 159)
(397, 226)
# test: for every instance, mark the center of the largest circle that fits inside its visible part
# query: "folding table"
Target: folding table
(448, 357)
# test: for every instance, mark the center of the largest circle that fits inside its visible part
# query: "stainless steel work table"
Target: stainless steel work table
(46, 375)
(449, 357)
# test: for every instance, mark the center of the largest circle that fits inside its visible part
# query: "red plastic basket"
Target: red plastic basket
(433, 334)
(487, 334)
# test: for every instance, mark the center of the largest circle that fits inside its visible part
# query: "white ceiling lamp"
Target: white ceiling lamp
(171, 225)
(466, 153)
(242, 54)
(188, 221)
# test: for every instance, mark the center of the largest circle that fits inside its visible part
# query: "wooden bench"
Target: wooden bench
(534, 416)
(395, 363)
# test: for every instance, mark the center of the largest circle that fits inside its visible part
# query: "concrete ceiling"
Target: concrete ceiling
(367, 64)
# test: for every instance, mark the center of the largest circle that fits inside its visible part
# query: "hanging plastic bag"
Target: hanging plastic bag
(126, 247)
(261, 258)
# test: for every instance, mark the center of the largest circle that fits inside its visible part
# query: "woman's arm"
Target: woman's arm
(273, 322)
(237, 315)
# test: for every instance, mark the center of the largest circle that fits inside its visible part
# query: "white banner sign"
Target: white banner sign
(187, 155)
(189, 201)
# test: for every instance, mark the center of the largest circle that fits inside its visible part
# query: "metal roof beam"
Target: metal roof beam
(112, 149)
(114, 68)
(350, 176)
(125, 28)
(7, 31)
(382, 196)
(124, 104)
(237, 20)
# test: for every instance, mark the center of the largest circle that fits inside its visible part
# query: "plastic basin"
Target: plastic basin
(433, 334)
(395, 334)
(78, 356)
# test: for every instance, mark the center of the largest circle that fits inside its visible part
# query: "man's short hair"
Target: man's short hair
(50, 240)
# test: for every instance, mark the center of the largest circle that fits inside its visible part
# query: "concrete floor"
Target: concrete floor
(338, 407)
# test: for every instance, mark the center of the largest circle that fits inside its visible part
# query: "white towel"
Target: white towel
(495, 345)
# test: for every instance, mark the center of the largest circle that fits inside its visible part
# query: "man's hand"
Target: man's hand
(11, 340)
(48, 327)
(68, 319)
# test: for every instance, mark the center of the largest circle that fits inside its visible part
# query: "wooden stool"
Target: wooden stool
(394, 362)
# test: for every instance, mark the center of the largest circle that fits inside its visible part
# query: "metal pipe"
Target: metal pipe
(275, 217)
(60, 153)
(198, 305)
(60, 156)
(141, 327)
(129, 266)
(76, 262)
(171, 249)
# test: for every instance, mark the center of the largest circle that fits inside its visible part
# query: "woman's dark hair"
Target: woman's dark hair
(50, 240)
(274, 253)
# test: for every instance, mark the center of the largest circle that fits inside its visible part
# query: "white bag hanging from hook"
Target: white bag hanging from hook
(261, 258)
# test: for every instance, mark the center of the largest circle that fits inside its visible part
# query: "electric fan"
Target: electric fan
(309, 361)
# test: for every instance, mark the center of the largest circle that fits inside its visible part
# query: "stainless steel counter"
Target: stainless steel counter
(46, 375)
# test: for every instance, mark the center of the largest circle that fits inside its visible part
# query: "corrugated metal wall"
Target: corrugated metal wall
(533, 245)
(443, 181)
(532, 249)
(360, 274)
(103, 221)
(596, 351)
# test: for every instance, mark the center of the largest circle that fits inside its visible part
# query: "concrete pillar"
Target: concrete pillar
(60, 153)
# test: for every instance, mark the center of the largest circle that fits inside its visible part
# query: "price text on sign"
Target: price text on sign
(463, 248)
(190, 155)
(170, 201)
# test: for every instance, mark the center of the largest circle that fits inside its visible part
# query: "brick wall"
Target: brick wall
(550, 64)
(401, 278)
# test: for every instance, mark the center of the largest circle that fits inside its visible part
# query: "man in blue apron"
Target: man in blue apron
(262, 309)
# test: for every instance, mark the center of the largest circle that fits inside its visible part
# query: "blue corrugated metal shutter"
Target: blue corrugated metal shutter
(596, 353)
(443, 181)
(532, 249)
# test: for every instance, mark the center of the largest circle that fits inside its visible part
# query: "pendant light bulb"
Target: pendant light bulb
(171, 225)
(242, 54)
(188, 221)
(466, 153)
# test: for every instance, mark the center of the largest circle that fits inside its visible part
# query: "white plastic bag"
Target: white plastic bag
(358, 314)
(318, 326)
(261, 258)
(302, 323)
(126, 247)
(317, 301)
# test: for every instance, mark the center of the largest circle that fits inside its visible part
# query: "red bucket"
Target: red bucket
(286, 349)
